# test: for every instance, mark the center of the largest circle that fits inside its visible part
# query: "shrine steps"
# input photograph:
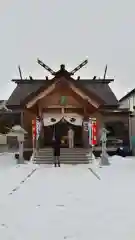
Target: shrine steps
(68, 156)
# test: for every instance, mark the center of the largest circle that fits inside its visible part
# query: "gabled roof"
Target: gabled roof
(23, 90)
(26, 89)
(65, 80)
(127, 95)
(102, 89)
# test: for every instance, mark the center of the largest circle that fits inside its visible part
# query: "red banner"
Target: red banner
(94, 132)
(34, 129)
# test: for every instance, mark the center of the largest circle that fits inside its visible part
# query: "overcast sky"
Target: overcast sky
(68, 31)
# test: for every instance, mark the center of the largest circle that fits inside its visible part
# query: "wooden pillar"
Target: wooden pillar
(38, 118)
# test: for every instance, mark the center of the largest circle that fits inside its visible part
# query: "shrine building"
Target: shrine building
(64, 101)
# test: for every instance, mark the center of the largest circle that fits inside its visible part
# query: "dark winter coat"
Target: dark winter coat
(56, 147)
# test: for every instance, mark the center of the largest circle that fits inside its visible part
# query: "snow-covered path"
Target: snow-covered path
(70, 203)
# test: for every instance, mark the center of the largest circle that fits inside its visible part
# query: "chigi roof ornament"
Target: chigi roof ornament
(78, 67)
(62, 67)
(42, 64)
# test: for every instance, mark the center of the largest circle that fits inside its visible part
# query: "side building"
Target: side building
(128, 102)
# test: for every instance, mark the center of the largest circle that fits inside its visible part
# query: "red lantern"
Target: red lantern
(94, 132)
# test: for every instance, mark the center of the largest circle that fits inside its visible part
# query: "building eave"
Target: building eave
(115, 111)
(29, 81)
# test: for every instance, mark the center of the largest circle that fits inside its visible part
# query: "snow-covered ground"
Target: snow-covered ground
(71, 202)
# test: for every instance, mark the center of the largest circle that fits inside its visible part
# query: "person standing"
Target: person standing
(71, 137)
(56, 151)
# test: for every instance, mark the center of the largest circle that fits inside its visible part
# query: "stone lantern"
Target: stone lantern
(19, 132)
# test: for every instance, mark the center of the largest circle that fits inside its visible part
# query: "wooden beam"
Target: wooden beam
(81, 94)
(59, 106)
(41, 95)
(70, 92)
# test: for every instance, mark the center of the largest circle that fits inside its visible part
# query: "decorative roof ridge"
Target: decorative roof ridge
(29, 81)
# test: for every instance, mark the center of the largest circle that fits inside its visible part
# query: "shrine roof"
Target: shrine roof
(26, 88)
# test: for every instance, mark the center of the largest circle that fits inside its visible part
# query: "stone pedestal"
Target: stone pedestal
(104, 159)
(21, 159)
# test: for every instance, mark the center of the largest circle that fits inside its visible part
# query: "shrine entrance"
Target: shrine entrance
(60, 129)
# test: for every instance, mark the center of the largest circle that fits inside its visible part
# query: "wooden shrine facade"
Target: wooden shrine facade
(65, 96)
